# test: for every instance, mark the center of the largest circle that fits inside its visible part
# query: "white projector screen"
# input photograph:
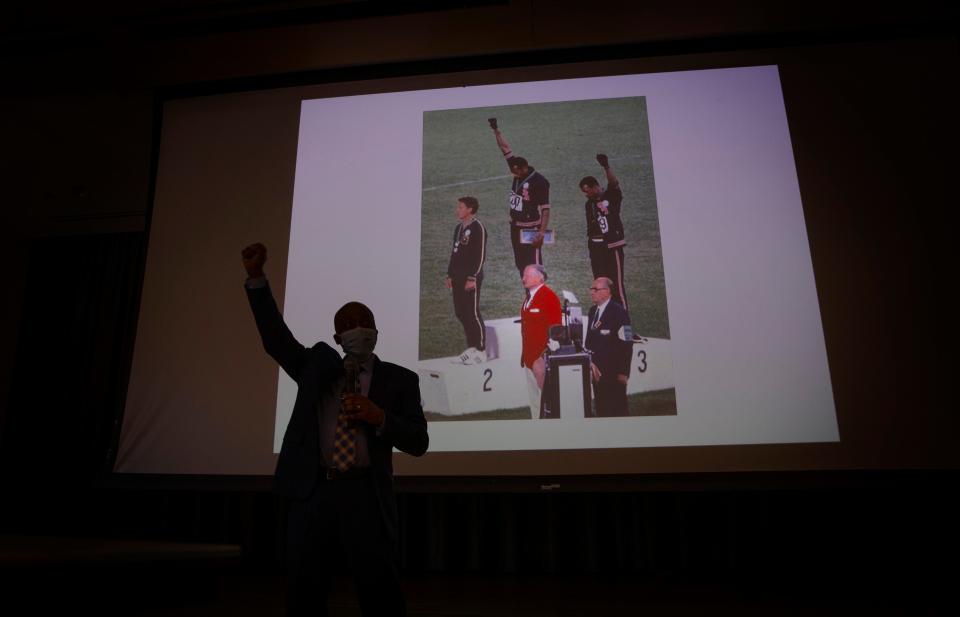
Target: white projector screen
(348, 192)
(748, 359)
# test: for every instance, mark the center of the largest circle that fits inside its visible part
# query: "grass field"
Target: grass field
(561, 140)
(656, 403)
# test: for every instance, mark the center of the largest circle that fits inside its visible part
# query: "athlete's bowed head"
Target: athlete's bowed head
(590, 187)
(519, 166)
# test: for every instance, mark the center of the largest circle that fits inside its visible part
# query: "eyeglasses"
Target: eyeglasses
(599, 289)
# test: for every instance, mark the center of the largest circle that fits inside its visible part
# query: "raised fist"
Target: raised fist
(603, 160)
(254, 256)
(493, 123)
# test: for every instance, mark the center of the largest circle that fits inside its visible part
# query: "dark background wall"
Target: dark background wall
(872, 91)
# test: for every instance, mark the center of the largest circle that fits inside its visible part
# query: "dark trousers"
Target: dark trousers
(523, 254)
(609, 263)
(610, 398)
(345, 512)
(466, 306)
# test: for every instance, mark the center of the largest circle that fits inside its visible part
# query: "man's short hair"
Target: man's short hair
(471, 203)
(517, 161)
(540, 269)
(588, 182)
(352, 312)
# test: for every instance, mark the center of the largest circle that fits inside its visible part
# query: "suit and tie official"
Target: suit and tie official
(611, 354)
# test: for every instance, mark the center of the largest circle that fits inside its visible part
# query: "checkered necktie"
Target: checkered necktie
(345, 435)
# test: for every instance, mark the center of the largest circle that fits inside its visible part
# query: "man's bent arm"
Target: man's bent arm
(544, 220)
(405, 427)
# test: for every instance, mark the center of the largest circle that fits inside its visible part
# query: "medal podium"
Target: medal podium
(455, 389)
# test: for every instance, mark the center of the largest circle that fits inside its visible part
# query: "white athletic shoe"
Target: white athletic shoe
(468, 356)
(480, 357)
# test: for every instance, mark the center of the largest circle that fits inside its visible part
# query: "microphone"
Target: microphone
(351, 377)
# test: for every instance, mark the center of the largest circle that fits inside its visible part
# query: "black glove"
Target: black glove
(603, 160)
(493, 123)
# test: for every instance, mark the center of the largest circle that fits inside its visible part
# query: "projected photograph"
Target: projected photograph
(567, 185)
(725, 341)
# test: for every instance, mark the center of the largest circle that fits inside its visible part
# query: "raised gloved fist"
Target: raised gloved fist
(603, 160)
(493, 123)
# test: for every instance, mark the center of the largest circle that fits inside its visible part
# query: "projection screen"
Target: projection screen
(354, 190)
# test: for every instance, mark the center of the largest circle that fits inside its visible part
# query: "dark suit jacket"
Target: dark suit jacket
(393, 388)
(611, 354)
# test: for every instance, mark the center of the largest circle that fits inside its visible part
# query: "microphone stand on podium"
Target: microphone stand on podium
(566, 387)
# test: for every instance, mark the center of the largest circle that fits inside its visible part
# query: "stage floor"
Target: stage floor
(49, 575)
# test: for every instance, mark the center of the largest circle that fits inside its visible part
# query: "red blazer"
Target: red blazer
(535, 321)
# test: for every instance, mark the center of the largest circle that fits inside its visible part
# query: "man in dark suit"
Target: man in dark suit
(335, 464)
(608, 342)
